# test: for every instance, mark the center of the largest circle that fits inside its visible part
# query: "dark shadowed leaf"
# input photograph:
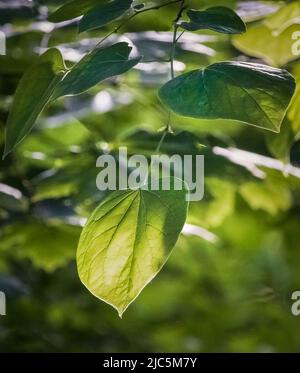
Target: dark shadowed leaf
(127, 240)
(251, 93)
(104, 14)
(96, 66)
(32, 95)
(219, 19)
(11, 199)
(73, 9)
(143, 142)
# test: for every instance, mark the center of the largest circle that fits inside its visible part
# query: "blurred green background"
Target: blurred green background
(228, 284)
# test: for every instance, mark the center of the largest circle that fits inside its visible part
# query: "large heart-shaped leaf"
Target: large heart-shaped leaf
(73, 9)
(251, 93)
(33, 93)
(126, 242)
(96, 66)
(103, 14)
(219, 19)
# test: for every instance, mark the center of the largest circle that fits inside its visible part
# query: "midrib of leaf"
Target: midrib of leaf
(112, 237)
(134, 247)
(94, 222)
(83, 72)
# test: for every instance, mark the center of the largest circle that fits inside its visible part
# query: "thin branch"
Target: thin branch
(173, 50)
(168, 128)
(180, 36)
(160, 61)
(161, 142)
(137, 12)
(156, 7)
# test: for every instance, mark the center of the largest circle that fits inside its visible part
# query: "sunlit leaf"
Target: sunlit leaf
(260, 41)
(251, 93)
(126, 242)
(269, 196)
(33, 93)
(104, 14)
(284, 18)
(219, 19)
(222, 204)
(47, 246)
(100, 64)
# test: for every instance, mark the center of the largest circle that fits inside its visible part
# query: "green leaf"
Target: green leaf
(73, 9)
(11, 199)
(222, 204)
(280, 144)
(219, 19)
(96, 66)
(294, 110)
(251, 93)
(284, 18)
(32, 95)
(48, 246)
(144, 142)
(261, 42)
(272, 197)
(103, 14)
(126, 242)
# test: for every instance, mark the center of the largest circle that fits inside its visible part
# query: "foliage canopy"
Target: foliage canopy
(218, 78)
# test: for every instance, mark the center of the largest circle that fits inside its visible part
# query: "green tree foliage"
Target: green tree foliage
(216, 78)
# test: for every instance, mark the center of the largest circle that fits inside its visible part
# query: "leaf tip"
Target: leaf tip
(120, 314)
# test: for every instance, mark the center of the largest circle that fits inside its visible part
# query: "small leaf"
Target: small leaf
(272, 197)
(11, 199)
(96, 66)
(103, 14)
(73, 9)
(251, 93)
(126, 242)
(261, 42)
(48, 246)
(32, 95)
(287, 16)
(219, 19)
